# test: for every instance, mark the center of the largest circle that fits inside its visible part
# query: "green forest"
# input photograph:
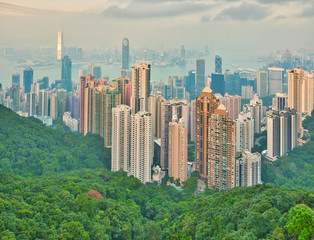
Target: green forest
(56, 185)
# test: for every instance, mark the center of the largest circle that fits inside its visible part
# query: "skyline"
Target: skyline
(222, 25)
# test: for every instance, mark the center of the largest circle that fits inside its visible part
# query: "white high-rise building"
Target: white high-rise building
(280, 101)
(244, 127)
(248, 169)
(60, 46)
(120, 150)
(282, 133)
(31, 104)
(43, 103)
(275, 79)
(141, 148)
(246, 92)
(256, 109)
(140, 87)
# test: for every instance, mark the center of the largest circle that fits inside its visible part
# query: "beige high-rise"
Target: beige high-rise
(206, 104)
(221, 150)
(120, 151)
(307, 93)
(119, 84)
(295, 82)
(173, 107)
(178, 149)
(154, 107)
(140, 87)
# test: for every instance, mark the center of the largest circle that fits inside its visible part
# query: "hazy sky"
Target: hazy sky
(221, 24)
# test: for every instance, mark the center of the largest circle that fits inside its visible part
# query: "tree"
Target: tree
(301, 222)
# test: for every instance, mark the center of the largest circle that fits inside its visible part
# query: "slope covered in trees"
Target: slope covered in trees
(27, 147)
(47, 192)
(58, 207)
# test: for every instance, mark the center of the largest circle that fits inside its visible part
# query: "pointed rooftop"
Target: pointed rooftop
(207, 89)
(222, 107)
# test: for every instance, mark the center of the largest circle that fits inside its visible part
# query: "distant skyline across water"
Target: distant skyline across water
(231, 61)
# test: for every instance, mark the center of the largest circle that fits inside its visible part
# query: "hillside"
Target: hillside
(56, 185)
(27, 148)
(57, 207)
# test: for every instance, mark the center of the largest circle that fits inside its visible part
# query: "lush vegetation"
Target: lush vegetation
(47, 192)
(53, 207)
(27, 147)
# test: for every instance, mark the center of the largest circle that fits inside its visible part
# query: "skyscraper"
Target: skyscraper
(221, 150)
(120, 151)
(218, 64)
(30, 104)
(233, 105)
(66, 73)
(182, 51)
(262, 83)
(256, 109)
(295, 82)
(200, 76)
(246, 92)
(99, 101)
(141, 148)
(244, 132)
(178, 149)
(120, 85)
(193, 120)
(154, 109)
(140, 87)
(218, 83)
(307, 93)
(173, 107)
(60, 46)
(248, 169)
(275, 76)
(28, 79)
(97, 72)
(16, 79)
(280, 101)
(206, 104)
(14, 94)
(43, 103)
(125, 57)
(282, 132)
(190, 84)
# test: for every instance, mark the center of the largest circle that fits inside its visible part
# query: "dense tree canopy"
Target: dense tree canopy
(27, 147)
(56, 185)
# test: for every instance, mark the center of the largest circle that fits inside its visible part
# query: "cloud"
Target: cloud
(308, 12)
(205, 18)
(277, 1)
(280, 17)
(246, 11)
(148, 10)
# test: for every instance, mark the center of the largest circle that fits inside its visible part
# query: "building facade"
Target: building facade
(178, 149)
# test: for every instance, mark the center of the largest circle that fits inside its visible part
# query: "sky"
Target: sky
(244, 25)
